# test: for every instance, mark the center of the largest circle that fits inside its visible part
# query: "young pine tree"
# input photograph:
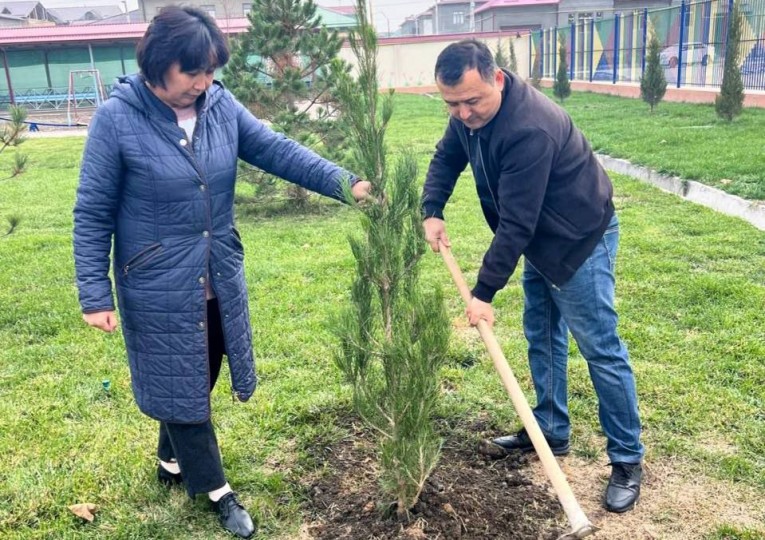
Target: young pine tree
(730, 101)
(282, 69)
(513, 65)
(536, 72)
(394, 336)
(499, 57)
(562, 86)
(653, 83)
(12, 135)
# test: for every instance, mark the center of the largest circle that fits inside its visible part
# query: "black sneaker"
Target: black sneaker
(623, 488)
(521, 442)
(233, 517)
(166, 478)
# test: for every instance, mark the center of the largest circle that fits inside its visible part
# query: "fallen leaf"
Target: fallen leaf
(725, 181)
(84, 510)
(449, 509)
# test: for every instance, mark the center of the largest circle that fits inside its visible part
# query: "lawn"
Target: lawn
(683, 139)
(690, 294)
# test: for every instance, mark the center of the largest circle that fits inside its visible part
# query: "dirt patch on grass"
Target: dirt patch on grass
(468, 496)
(471, 496)
(675, 502)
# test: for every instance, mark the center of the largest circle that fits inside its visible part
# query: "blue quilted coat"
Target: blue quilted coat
(168, 205)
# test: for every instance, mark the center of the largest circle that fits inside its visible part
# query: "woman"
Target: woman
(158, 176)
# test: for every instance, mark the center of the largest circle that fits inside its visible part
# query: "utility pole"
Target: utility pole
(472, 16)
(371, 17)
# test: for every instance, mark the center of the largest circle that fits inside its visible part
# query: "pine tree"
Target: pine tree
(394, 336)
(513, 65)
(730, 101)
(499, 56)
(536, 72)
(562, 86)
(12, 135)
(653, 83)
(282, 69)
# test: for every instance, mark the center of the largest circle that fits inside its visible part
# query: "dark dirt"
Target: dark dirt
(468, 496)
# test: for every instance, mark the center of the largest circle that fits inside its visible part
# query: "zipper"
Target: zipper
(486, 176)
(141, 258)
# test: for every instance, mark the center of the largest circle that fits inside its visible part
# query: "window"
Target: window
(246, 8)
(209, 9)
(458, 17)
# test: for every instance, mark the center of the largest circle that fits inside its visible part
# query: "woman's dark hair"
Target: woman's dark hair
(185, 35)
(462, 56)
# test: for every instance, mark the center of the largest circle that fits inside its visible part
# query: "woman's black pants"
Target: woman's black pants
(194, 446)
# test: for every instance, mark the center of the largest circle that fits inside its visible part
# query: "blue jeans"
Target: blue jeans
(584, 305)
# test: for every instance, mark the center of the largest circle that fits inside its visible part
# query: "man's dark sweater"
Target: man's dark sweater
(542, 190)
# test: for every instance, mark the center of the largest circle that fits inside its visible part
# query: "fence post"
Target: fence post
(572, 53)
(592, 46)
(616, 47)
(645, 40)
(11, 94)
(541, 53)
(531, 44)
(554, 47)
(683, 9)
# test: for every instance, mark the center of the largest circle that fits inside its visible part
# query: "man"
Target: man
(546, 197)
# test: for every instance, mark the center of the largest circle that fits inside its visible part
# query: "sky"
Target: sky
(384, 12)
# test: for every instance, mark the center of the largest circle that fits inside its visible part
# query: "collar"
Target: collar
(156, 105)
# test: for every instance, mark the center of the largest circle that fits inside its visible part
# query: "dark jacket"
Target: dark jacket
(542, 190)
(169, 205)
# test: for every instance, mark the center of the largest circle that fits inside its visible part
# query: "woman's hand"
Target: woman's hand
(362, 190)
(103, 320)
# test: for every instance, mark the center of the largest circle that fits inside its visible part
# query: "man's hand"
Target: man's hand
(362, 190)
(104, 320)
(435, 232)
(477, 310)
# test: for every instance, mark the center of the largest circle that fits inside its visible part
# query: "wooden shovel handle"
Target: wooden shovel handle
(580, 525)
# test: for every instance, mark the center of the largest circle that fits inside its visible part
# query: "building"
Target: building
(454, 16)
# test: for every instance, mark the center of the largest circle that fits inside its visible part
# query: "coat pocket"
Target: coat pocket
(141, 258)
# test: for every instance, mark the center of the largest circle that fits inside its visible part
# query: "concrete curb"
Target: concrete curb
(716, 199)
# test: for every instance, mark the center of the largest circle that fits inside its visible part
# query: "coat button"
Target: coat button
(201, 325)
(202, 280)
(184, 142)
(205, 233)
(202, 187)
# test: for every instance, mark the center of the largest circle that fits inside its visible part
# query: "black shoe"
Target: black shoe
(521, 441)
(233, 516)
(624, 486)
(168, 479)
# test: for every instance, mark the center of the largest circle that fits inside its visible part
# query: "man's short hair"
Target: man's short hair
(185, 35)
(462, 56)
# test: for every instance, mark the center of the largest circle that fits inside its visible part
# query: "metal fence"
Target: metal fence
(692, 37)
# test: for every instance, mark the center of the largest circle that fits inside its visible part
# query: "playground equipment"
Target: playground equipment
(73, 98)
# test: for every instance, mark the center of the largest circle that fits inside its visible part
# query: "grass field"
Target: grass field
(691, 292)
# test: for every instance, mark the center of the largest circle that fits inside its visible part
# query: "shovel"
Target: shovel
(580, 525)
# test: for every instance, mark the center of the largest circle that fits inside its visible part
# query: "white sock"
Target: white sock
(216, 494)
(171, 467)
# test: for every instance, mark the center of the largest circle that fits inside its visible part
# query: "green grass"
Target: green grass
(690, 296)
(683, 139)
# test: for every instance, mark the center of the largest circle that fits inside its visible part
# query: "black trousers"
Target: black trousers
(194, 446)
